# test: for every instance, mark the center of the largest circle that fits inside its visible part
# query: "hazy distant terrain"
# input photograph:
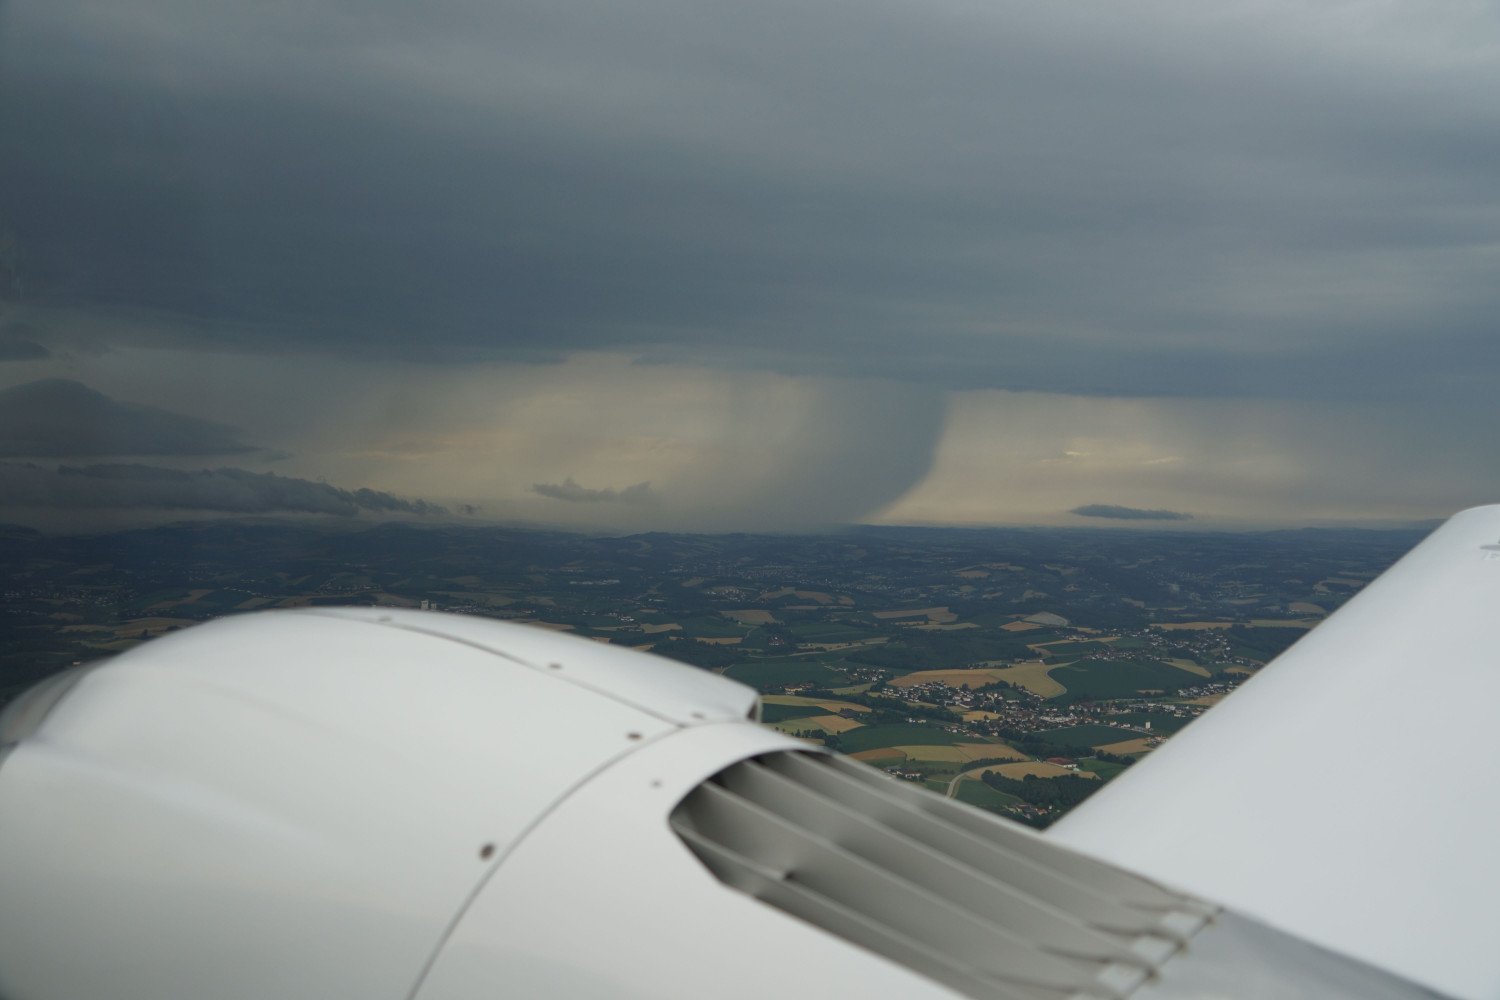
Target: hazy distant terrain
(1017, 669)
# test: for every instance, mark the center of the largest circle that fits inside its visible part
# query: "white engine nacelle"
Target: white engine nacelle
(365, 804)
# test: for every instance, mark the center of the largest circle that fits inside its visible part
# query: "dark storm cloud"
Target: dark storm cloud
(123, 487)
(1118, 513)
(17, 349)
(570, 491)
(58, 418)
(1146, 199)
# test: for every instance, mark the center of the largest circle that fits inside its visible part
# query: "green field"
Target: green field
(1263, 644)
(1161, 722)
(977, 793)
(894, 760)
(712, 627)
(828, 632)
(1103, 768)
(1079, 648)
(774, 674)
(1097, 678)
(781, 713)
(1088, 735)
(914, 734)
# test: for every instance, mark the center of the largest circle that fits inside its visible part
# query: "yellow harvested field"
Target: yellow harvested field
(252, 604)
(980, 716)
(725, 640)
(1284, 622)
(751, 616)
(1239, 670)
(650, 629)
(832, 723)
(1031, 675)
(990, 751)
(931, 614)
(879, 753)
(192, 596)
(1189, 666)
(1190, 626)
(85, 628)
(1127, 746)
(1019, 626)
(1304, 608)
(1208, 699)
(978, 677)
(1040, 768)
(941, 754)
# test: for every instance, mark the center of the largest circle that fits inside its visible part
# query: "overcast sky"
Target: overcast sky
(759, 266)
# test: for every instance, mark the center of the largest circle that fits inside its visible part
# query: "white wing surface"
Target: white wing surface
(1346, 794)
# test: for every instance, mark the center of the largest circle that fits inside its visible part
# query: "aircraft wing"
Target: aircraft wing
(400, 805)
(1346, 793)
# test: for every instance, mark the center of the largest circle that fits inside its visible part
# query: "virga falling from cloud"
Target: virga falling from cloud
(1270, 208)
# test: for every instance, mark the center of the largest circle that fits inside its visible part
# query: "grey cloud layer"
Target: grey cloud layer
(129, 486)
(568, 490)
(1118, 513)
(58, 418)
(1153, 199)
